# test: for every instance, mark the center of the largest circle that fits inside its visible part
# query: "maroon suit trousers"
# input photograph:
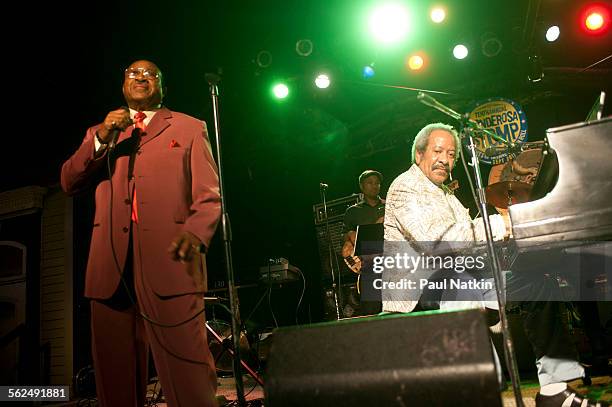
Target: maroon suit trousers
(121, 337)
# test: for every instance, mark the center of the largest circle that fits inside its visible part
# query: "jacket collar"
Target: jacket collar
(158, 123)
(426, 182)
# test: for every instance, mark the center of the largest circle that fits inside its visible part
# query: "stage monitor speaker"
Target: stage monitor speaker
(428, 358)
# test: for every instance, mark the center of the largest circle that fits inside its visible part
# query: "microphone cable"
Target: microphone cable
(118, 268)
(270, 293)
(297, 308)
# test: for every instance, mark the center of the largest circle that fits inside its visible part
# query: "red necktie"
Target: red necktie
(138, 123)
(139, 120)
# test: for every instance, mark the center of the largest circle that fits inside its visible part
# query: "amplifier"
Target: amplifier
(335, 209)
(279, 272)
(335, 212)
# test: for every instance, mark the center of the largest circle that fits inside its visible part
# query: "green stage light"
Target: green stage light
(280, 90)
(322, 81)
(389, 23)
(460, 51)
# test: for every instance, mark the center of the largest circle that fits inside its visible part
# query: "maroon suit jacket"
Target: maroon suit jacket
(177, 189)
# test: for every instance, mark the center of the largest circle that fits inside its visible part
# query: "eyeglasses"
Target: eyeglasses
(133, 73)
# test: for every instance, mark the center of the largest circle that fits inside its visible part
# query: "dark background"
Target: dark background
(65, 65)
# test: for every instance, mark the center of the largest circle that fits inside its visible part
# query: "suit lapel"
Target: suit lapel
(158, 123)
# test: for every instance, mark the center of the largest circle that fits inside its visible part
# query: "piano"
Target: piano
(579, 206)
(566, 230)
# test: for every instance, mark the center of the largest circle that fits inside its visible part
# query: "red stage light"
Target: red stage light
(595, 18)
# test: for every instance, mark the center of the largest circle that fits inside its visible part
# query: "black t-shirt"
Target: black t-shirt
(362, 214)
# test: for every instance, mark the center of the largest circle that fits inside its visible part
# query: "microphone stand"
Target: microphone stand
(467, 126)
(463, 119)
(226, 232)
(330, 248)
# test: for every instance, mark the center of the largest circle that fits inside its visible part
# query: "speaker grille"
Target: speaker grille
(335, 210)
(428, 358)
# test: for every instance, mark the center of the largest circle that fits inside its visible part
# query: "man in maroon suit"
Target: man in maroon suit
(155, 217)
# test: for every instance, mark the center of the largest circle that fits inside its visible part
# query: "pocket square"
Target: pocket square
(174, 143)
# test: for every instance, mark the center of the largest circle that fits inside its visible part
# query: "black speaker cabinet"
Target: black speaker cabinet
(428, 358)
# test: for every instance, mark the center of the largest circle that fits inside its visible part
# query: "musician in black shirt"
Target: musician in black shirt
(371, 209)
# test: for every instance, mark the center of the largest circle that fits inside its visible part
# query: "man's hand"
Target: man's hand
(116, 120)
(349, 243)
(507, 223)
(184, 247)
(354, 263)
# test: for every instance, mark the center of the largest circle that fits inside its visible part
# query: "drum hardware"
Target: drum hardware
(220, 342)
(511, 183)
(506, 193)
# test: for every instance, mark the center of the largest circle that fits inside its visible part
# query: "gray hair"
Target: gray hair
(422, 138)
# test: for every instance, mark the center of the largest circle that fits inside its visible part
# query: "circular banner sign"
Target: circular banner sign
(505, 118)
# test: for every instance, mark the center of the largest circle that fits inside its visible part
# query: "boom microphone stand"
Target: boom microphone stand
(226, 232)
(466, 131)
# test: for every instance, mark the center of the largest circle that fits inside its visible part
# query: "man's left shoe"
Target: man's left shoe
(567, 398)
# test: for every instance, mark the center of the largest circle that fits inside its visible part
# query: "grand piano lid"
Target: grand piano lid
(579, 206)
(577, 125)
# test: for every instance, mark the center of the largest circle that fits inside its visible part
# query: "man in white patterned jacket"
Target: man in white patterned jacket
(421, 214)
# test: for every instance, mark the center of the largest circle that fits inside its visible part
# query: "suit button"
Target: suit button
(127, 201)
(125, 229)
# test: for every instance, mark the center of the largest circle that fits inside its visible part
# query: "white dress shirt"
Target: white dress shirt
(148, 113)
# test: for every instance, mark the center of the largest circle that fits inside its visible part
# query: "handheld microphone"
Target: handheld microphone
(114, 137)
(323, 186)
(114, 133)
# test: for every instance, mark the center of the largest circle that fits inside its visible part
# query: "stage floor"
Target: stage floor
(601, 387)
